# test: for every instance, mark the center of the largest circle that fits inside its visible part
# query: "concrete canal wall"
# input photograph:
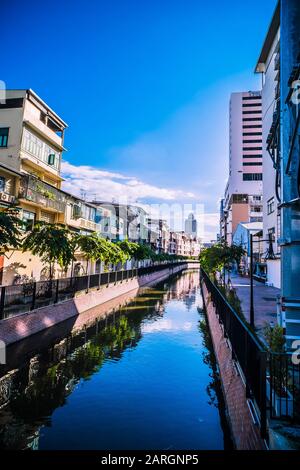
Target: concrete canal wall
(79, 308)
(245, 432)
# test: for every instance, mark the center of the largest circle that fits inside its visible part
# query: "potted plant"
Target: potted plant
(277, 383)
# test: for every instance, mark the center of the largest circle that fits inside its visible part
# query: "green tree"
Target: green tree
(144, 252)
(128, 248)
(51, 242)
(220, 256)
(116, 254)
(275, 338)
(93, 247)
(9, 230)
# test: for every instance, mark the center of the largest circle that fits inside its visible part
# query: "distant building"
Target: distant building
(241, 238)
(191, 225)
(162, 231)
(122, 221)
(243, 194)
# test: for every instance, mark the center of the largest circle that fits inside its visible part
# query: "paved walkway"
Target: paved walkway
(265, 298)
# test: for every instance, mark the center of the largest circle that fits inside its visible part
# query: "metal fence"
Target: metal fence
(249, 354)
(283, 386)
(272, 379)
(22, 298)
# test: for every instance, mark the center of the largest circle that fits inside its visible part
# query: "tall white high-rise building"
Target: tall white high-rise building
(268, 65)
(191, 225)
(243, 193)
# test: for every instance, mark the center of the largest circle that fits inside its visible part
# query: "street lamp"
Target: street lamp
(270, 255)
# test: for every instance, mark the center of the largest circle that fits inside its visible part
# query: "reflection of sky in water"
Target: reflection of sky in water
(149, 394)
(166, 325)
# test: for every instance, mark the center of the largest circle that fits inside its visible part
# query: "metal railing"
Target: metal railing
(248, 353)
(272, 379)
(22, 298)
(43, 194)
(283, 386)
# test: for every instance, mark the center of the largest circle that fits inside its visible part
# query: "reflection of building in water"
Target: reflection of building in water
(33, 386)
(30, 394)
(190, 298)
(186, 285)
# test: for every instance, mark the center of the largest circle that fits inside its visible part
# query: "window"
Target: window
(252, 112)
(76, 211)
(250, 120)
(251, 134)
(89, 213)
(252, 177)
(252, 141)
(47, 217)
(271, 234)
(278, 230)
(248, 105)
(2, 184)
(252, 149)
(51, 159)
(255, 209)
(254, 97)
(239, 198)
(28, 219)
(97, 266)
(271, 206)
(252, 163)
(3, 136)
(43, 117)
(35, 146)
(257, 126)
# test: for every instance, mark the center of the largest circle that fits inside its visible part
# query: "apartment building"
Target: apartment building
(268, 65)
(184, 244)
(242, 238)
(243, 194)
(31, 148)
(122, 221)
(162, 231)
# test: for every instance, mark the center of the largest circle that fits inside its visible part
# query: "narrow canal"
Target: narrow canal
(143, 378)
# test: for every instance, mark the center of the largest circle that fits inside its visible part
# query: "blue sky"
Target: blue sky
(144, 86)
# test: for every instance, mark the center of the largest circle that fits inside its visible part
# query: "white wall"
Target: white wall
(273, 273)
(270, 220)
(236, 183)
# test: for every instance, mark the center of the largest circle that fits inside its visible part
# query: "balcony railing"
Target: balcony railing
(41, 193)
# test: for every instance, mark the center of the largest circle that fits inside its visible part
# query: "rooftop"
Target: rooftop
(269, 39)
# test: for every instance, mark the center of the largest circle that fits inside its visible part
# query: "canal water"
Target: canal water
(143, 378)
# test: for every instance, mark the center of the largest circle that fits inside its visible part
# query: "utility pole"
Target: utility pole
(252, 321)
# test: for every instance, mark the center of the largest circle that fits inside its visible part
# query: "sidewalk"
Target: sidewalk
(265, 298)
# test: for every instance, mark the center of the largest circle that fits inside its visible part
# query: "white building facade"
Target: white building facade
(269, 66)
(243, 193)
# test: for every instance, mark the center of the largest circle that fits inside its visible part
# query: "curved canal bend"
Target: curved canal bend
(144, 378)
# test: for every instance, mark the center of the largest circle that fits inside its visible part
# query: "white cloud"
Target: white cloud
(99, 184)
(209, 225)
(164, 324)
(94, 183)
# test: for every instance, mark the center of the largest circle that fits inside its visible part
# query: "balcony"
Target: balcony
(277, 62)
(89, 225)
(42, 194)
